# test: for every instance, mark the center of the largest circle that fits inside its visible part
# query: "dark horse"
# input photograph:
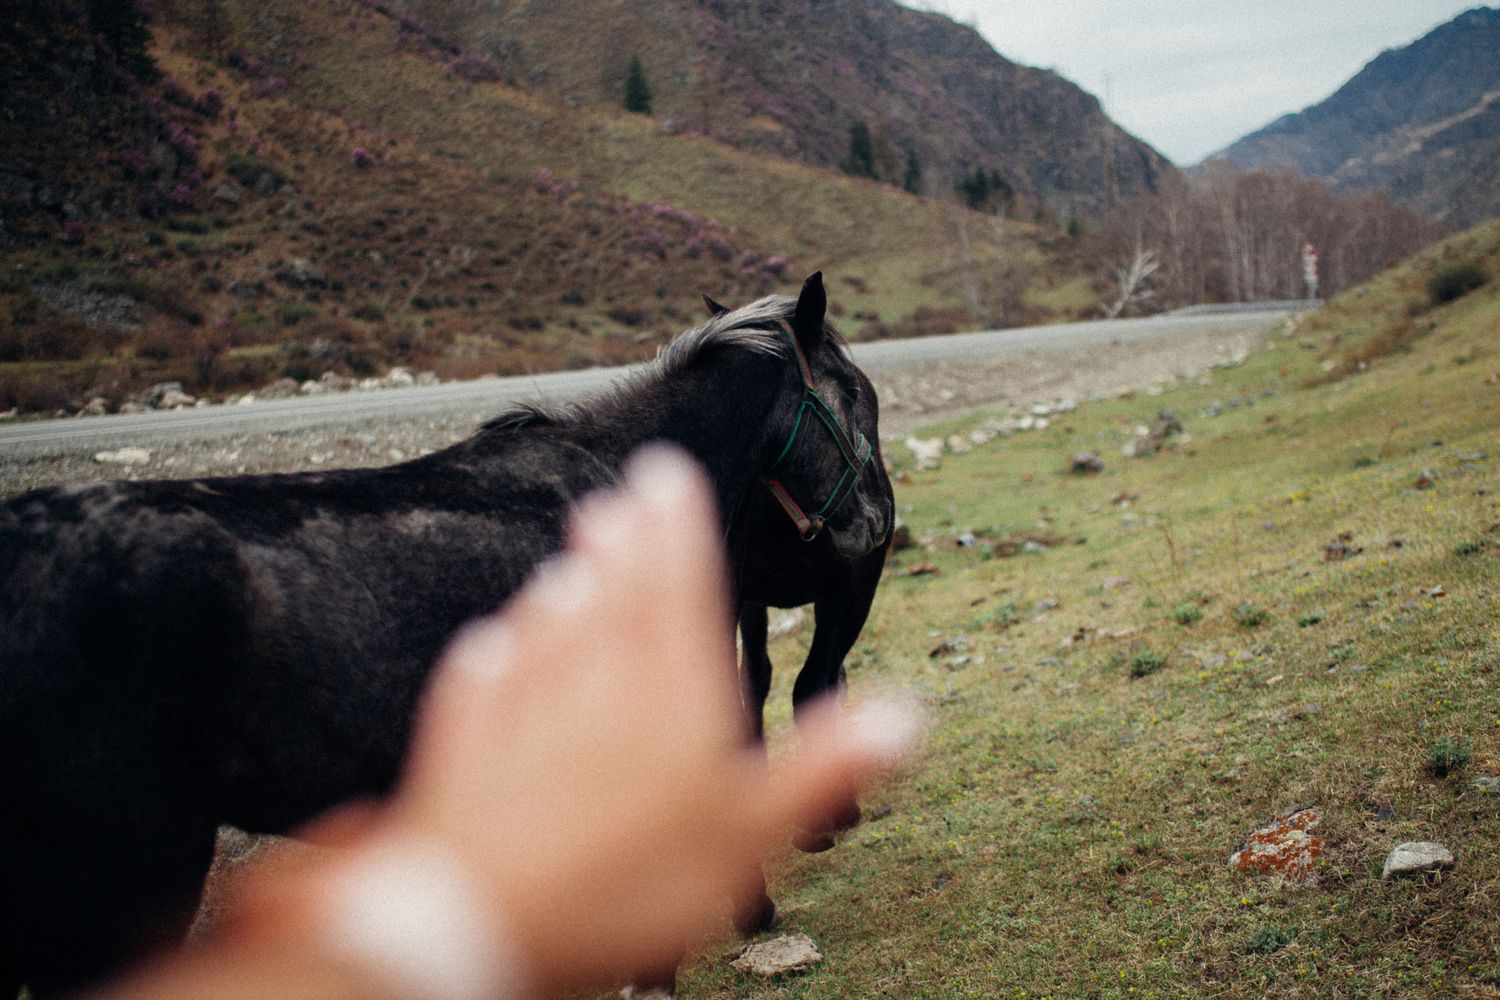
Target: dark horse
(250, 650)
(783, 569)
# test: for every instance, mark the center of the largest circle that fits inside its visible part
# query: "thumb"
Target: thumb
(838, 752)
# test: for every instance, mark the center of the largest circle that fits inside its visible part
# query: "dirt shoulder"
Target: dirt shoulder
(910, 398)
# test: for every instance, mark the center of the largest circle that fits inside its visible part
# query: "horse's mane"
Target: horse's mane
(748, 327)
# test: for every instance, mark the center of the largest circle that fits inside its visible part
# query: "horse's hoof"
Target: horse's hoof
(758, 916)
(849, 818)
(652, 988)
(812, 843)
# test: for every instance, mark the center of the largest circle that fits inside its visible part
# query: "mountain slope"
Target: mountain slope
(1422, 122)
(358, 195)
(793, 76)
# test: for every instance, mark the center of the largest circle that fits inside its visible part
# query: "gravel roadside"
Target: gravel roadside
(910, 398)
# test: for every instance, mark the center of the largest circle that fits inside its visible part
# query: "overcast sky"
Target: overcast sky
(1191, 76)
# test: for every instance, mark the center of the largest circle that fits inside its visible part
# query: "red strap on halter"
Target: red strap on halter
(807, 527)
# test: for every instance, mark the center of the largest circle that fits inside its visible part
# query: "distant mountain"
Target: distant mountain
(792, 77)
(1421, 122)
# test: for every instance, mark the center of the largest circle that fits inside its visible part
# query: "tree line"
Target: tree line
(1232, 235)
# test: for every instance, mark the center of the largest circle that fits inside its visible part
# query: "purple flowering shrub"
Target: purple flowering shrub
(209, 103)
(475, 67)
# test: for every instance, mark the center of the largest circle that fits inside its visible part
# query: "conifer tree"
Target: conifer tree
(637, 90)
(123, 27)
(912, 182)
(861, 159)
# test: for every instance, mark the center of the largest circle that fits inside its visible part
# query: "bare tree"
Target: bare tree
(1132, 282)
(1235, 235)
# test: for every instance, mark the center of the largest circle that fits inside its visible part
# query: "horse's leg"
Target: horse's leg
(758, 912)
(755, 666)
(840, 616)
(106, 895)
(103, 851)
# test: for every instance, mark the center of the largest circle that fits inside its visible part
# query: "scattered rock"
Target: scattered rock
(304, 272)
(1416, 857)
(169, 396)
(94, 309)
(1045, 605)
(900, 536)
(282, 388)
(919, 569)
(952, 644)
(96, 407)
(785, 623)
(1341, 548)
(227, 194)
(1289, 847)
(1154, 439)
(1114, 582)
(123, 456)
(1086, 463)
(928, 452)
(1487, 783)
(245, 292)
(400, 378)
(788, 953)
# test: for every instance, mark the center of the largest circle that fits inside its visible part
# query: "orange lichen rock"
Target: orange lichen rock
(1288, 847)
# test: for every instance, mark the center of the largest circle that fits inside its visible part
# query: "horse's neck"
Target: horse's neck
(719, 418)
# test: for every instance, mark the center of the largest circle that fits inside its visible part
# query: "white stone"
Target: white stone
(788, 953)
(785, 623)
(928, 452)
(1415, 857)
(123, 456)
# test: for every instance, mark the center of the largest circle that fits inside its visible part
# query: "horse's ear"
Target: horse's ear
(812, 304)
(714, 309)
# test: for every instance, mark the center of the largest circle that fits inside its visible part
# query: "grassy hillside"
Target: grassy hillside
(791, 78)
(1183, 662)
(356, 198)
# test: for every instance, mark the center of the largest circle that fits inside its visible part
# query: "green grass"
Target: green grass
(1066, 830)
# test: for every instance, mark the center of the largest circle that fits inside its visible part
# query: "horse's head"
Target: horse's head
(823, 461)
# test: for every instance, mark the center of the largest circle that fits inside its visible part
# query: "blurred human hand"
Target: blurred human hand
(584, 752)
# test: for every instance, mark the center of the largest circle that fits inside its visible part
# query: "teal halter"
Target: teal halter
(856, 452)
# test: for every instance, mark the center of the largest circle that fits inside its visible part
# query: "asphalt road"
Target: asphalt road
(82, 434)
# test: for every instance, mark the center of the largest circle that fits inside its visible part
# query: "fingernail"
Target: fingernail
(661, 475)
(886, 727)
(485, 649)
(602, 521)
(563, 585)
